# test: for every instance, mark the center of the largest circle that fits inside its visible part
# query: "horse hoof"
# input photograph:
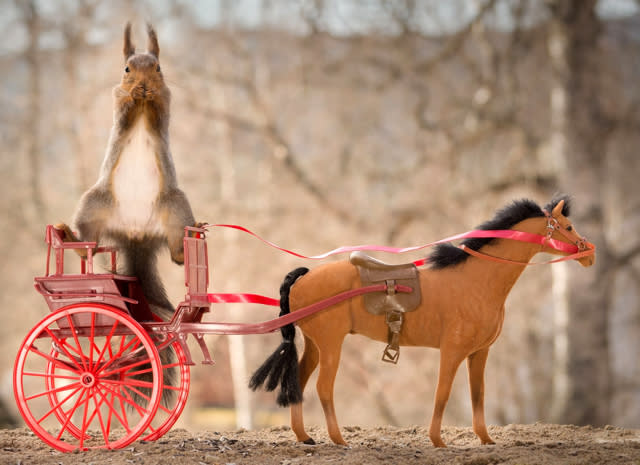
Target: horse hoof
(439, 444)
(309, 442)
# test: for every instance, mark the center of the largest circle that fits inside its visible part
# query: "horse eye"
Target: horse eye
(158, 68)
(126, 70)
(569, 228)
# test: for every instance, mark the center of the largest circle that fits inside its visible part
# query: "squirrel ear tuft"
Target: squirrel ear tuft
(153, 48)
(129, 49)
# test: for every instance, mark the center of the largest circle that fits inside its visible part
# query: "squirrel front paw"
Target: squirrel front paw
(178, 257)
(67, 233)
(138, 93)
(69, 236)
(142, 93)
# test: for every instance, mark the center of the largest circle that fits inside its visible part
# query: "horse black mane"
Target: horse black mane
(445, 255)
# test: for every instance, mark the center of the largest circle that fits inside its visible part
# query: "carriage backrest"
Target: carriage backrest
(196, 267)
(54, 238)
(61, 289)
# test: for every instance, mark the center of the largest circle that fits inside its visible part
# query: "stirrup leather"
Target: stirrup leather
(394, 320)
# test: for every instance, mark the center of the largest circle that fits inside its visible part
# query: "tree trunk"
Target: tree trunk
(32, 23)
(587, 392)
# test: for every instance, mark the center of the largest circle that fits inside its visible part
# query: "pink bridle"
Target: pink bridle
(575, 250)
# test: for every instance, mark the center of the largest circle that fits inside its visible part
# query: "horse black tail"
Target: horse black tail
(281, 368)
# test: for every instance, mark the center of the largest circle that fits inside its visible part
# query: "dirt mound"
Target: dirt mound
(517, 444)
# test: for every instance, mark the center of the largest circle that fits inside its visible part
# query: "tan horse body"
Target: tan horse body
(461, 313)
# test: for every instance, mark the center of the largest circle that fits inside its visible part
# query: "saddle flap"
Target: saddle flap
(373, 271)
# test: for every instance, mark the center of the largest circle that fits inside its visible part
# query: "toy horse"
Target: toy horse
(460, 311)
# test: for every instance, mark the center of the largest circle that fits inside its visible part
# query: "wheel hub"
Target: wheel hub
(87, 380)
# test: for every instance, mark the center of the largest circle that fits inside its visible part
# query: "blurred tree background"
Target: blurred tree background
(320, 123)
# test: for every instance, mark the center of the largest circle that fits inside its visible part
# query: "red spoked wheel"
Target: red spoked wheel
(88, 376)
(176, 382)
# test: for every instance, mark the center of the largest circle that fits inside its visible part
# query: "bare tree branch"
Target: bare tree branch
(455, 43)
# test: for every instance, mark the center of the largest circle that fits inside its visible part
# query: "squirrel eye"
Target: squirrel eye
(158, 68)
(126, 69)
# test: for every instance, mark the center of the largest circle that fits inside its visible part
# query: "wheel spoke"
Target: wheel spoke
(141, 411)
(123, 420)
(128, 367)
(131, 382)
(83, 357)
(112, 408)
(54, 391)
(135, 340)
(60, 344)
(70, 414)
(105, 431)
(107, 344)
(163, 408)
(91, 340)
(47, 375)
(70, 348)
(58, 405)
(85, 424)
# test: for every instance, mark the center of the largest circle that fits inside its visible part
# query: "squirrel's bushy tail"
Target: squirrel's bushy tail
(281, 368)
(140, 260)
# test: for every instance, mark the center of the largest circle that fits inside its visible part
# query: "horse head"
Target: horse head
(560, 228)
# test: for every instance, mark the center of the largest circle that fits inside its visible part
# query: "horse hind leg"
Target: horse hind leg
(329, 361)
(475, 365)
(308, 364)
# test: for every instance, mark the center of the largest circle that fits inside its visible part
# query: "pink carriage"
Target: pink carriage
(90, 373)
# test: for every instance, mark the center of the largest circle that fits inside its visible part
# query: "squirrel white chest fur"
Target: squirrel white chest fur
(136, 185)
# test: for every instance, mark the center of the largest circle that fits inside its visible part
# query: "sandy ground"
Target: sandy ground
(517, 445)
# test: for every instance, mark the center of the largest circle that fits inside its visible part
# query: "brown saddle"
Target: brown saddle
(374, 271)
(390, 303)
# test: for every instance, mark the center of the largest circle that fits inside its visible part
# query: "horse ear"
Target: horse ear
(557, 210)
(129, 49)
(153, 48)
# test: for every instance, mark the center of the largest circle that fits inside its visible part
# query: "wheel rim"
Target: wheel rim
(173, 359)
(88, 376)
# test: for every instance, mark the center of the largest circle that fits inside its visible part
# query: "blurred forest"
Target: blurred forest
(320, 123)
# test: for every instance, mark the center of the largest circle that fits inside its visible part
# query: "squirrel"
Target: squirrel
(136, 204)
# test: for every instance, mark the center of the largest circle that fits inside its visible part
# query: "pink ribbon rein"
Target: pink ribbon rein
(476, 233)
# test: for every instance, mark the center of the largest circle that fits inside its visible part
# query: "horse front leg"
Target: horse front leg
(476, 363)
(308, 364)
(449, 362)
